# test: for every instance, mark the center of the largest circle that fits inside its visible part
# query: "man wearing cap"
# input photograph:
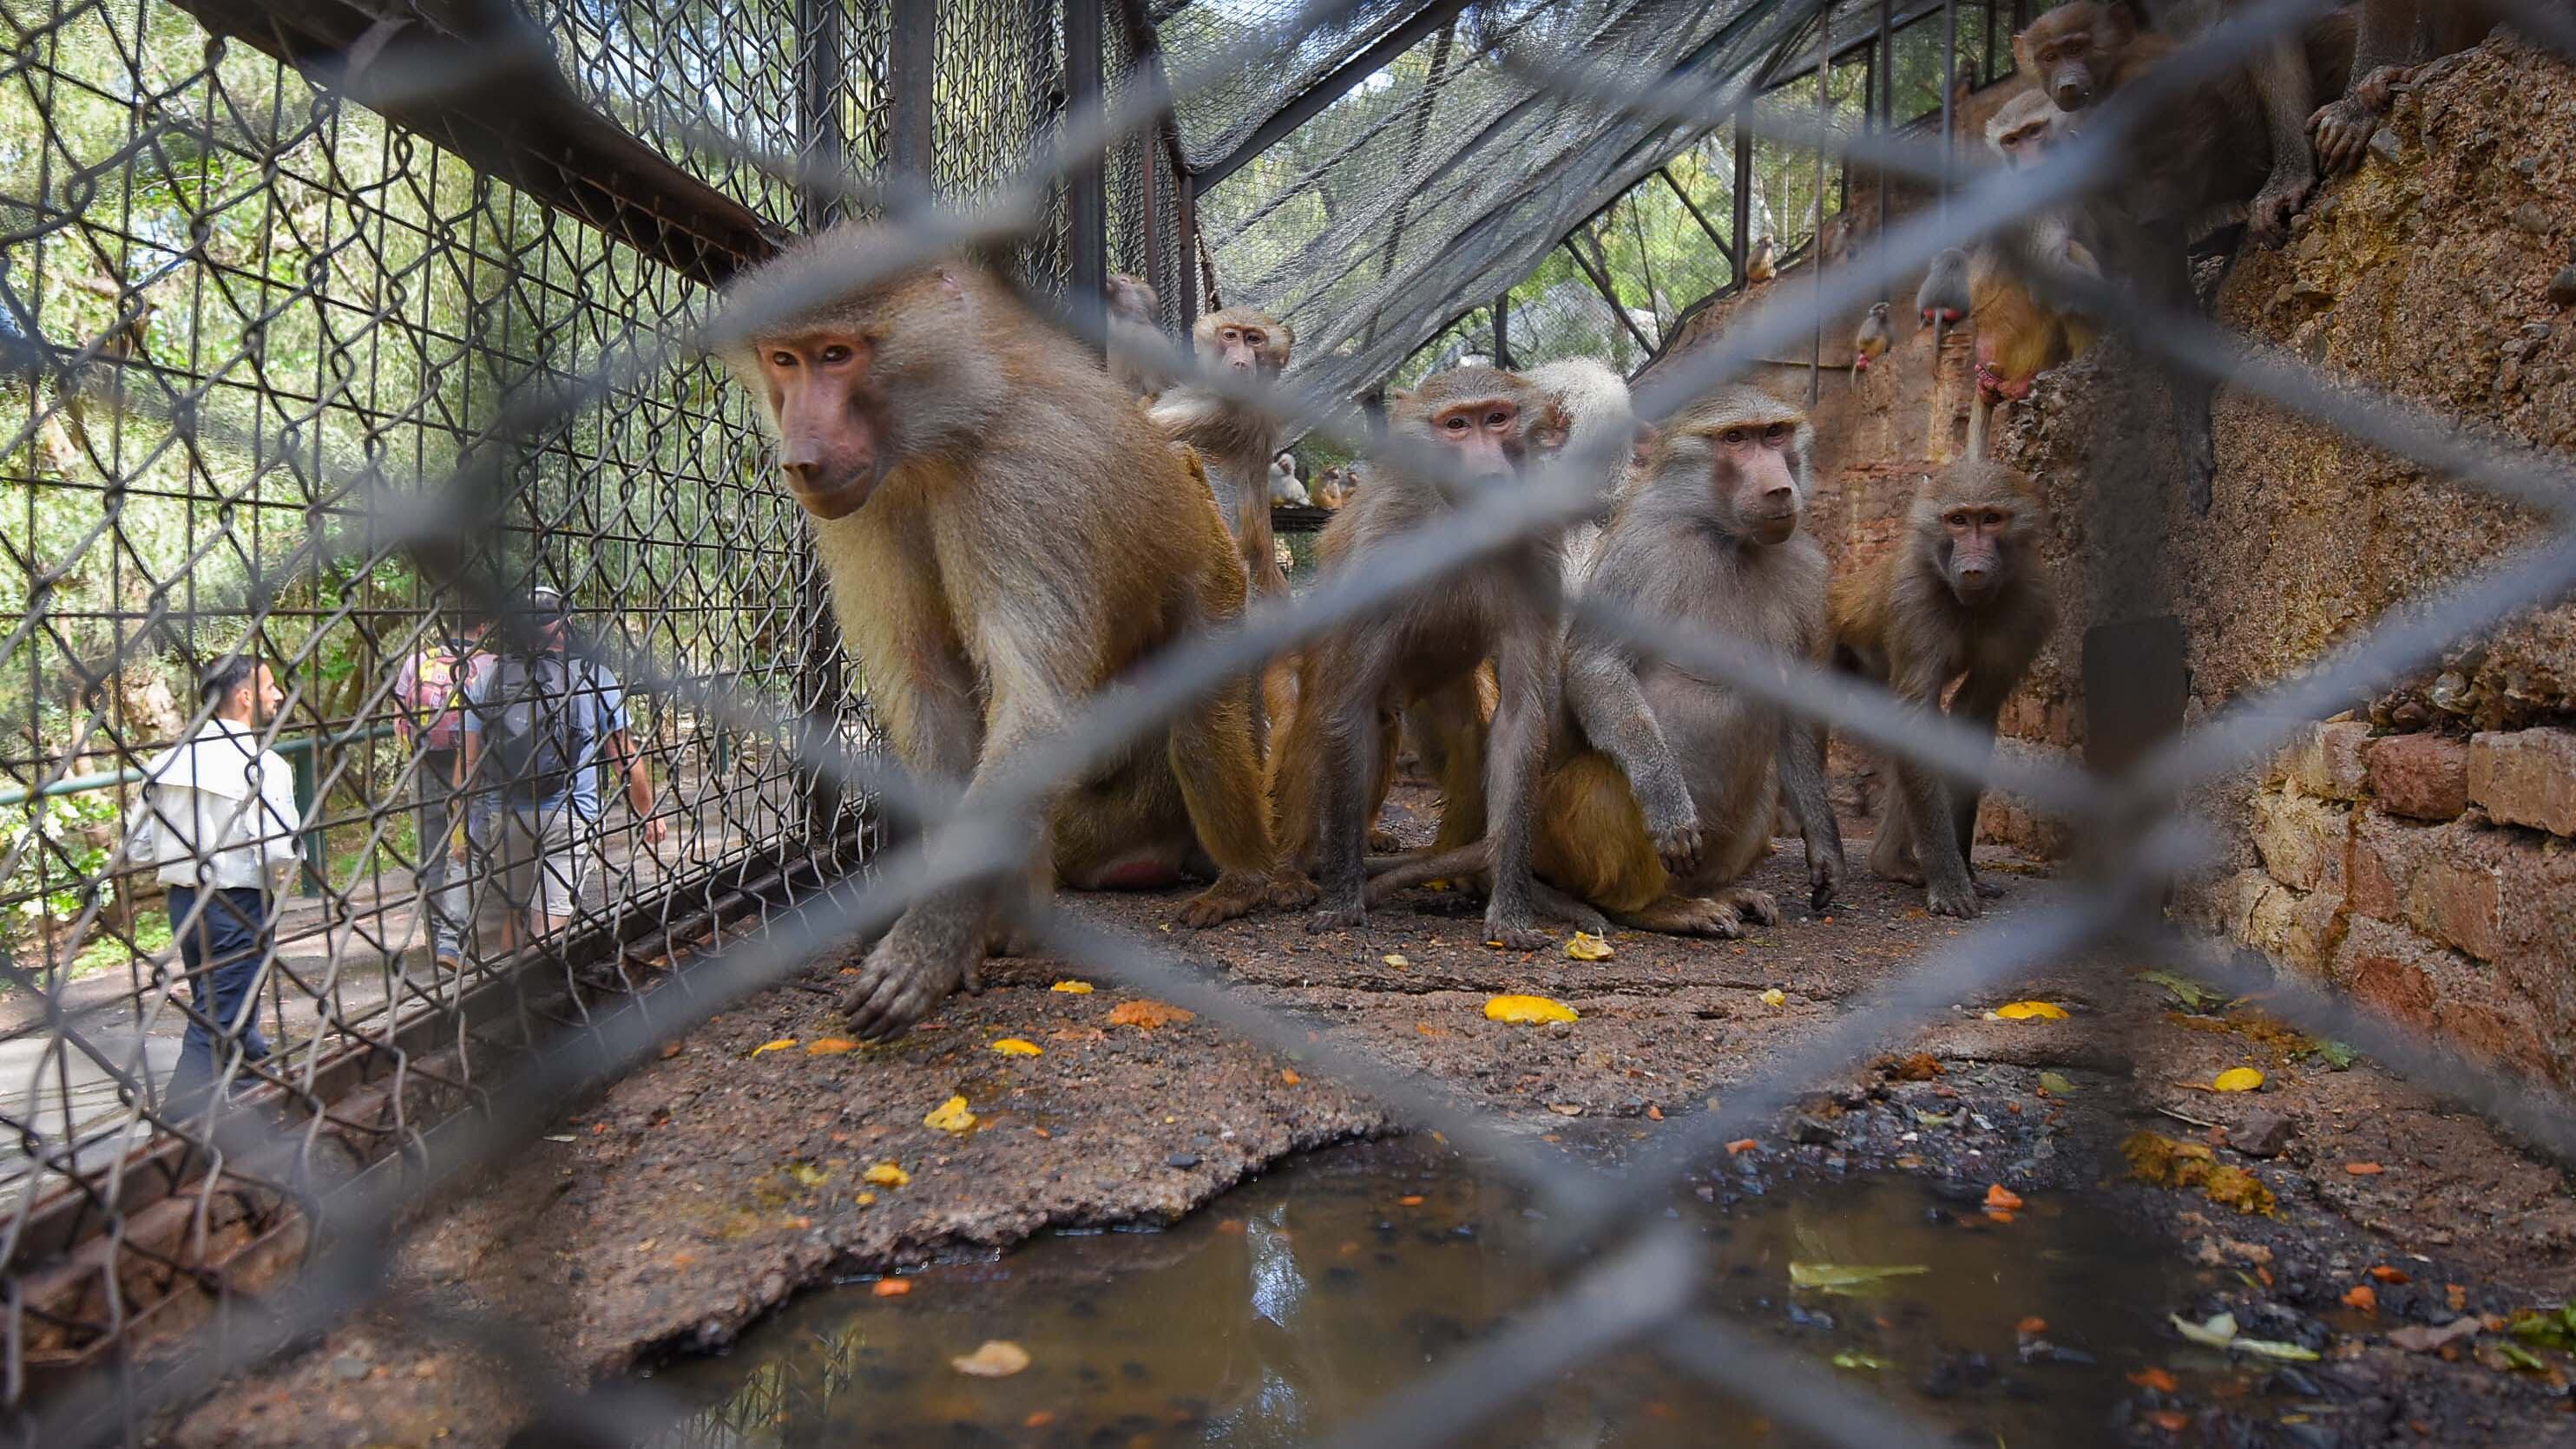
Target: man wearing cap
(538, 726)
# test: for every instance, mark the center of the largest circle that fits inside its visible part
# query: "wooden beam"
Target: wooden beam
(508, 114)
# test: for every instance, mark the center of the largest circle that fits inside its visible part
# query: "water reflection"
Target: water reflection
(1295, 1303)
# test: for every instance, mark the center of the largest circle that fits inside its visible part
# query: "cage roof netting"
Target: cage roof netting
(1448, 172)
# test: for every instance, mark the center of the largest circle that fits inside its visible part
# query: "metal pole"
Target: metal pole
(1743, 217)
(1609, 294)
(1941, 198)
(1086, 197)
(1692, 207)
(1188, 280)
(1816, 241)
(1882, 64)
(912, 51)
(1502, 330)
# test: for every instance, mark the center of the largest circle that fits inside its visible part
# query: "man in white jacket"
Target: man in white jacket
(218, 824)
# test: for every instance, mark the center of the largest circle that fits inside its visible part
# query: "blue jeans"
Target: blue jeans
(222, 951)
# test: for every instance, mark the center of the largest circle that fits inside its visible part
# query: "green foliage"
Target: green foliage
(61, 845)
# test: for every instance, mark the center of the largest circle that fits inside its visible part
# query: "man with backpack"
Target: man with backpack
(539, 724)
(429, 695)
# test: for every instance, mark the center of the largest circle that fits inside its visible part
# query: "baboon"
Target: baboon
(1590, 418)
(1593, 420)
(1138, 351)
(1664, 796)
(1284, 487)
(1425, 645)
(1766, 259)
(931, 427)
(1870, 341)
(1943, 297)
(2020, 336)
(2239, 141)
(2395, 39)
(1238, 441)
(1964, 597)
(1328, 487)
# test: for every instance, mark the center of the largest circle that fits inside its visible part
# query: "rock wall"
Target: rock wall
(2430, 876)
(2415, 849)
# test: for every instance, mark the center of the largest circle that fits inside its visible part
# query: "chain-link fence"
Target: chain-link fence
(331, 332)
(271, 271)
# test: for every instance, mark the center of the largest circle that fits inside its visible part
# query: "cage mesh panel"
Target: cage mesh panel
(356, 301)
(1418, 190)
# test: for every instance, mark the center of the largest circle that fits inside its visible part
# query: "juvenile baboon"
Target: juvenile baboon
(1594, 421)
(1426, 645)
(1665, 797)
(1964, 597)
(1870, 340)
(1137, 347)
(1238, 440)
(975, 480)
(1766, 259)
(1328, 488)
(1284, 487)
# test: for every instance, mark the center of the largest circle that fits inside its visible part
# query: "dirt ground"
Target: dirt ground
(707, 1187)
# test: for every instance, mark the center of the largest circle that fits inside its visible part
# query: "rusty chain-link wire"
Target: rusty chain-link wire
(246, 417)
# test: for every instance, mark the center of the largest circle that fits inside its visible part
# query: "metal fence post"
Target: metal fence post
(1743, 218)
(912, 59)
(1086, 194)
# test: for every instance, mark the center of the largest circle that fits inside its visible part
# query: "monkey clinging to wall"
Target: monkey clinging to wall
(931, 426)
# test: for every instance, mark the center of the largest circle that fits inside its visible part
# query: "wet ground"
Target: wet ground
(664, 1218)
(1297, 1302)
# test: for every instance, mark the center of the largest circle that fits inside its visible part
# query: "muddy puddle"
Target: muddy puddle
(1294, 1303)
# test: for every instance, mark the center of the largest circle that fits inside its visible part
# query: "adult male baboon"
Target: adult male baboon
(974, 480)
(1963, 598)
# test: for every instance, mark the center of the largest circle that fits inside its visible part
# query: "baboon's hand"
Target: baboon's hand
(1952, 898)
(1677, 843)
(2267, 220)
(2342, 130)
(901, 982)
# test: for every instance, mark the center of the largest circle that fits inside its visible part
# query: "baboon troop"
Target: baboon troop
(1015, 524)
(2241, 148)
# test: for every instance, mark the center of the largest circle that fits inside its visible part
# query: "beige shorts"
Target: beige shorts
(534, 862)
